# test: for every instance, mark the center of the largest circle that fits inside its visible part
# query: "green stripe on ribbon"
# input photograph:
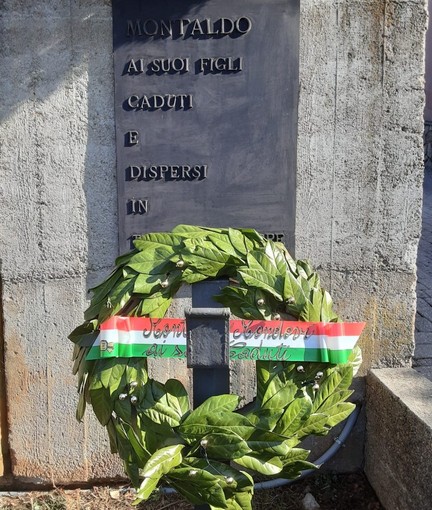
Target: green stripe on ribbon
(280, 353)
(138, 351)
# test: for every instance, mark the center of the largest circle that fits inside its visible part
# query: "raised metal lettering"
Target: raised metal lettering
(209, 29)
(185, 172)
(133, 27)
(166, 64)
(224, 22)
(196, 28)
(144, 104)
(133, 173)
(244, 25)
(190, 124)
(219, 65)
(158, 102)
(180, 64)
(132, 68)
(166, 28)
(132, 137)
(188, 28)
(137, 206)
(132, 98)
(153, 172)
(154, 66)
(169, 65)
(166, 172)
(171, 100)
(183, 23)
(273, 236)
(149, 22)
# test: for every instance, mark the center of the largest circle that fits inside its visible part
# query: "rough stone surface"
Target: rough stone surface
(58, 192)
(399, 438)
(47, 443)
(358, 197)
(309, 502)
(428, 92)
(360, 163)
(422, 360)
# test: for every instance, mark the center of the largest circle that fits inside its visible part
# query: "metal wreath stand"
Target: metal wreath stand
(207, 349)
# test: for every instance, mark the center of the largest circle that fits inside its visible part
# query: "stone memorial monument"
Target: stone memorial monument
(198, 118)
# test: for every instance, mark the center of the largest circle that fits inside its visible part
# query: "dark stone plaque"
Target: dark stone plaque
(206, 114)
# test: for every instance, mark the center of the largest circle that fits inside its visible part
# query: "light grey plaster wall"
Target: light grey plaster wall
(59, 233)
(360, 165)
(358, 197)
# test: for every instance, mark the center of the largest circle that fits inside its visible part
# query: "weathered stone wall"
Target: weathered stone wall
(358, 197)
(399, 438)
(58, 233)
(428, 71)
(360, 162)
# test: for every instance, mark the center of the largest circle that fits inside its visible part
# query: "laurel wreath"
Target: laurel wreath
(209, 454)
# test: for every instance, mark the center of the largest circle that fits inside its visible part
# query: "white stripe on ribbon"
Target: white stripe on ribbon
(334, 343)
(117, 336)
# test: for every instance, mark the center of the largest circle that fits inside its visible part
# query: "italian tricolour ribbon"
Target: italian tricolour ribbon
(328, 342)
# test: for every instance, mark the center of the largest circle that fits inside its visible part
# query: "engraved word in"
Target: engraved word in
(137, 206)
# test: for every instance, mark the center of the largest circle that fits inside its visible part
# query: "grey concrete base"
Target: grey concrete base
(398, 456)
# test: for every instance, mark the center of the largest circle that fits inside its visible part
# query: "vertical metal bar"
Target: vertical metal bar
(212, 379)
(208, 382)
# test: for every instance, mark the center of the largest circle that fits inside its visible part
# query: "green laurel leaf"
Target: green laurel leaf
(159, 464)
(223, 243)
(278, 394)
(214, 405)
(101, 403)
(158, 240)
(197, 426)
(201, 492)
(222, 445)
(265, 464)
(243, 302)
(177, 397)
(260, 279)
(339, 379)
(153, 261)
(294, 415)
(206, 258)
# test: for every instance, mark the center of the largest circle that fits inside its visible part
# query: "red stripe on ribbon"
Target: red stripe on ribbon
(309, 328)
(299, 327)
(141, 324)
